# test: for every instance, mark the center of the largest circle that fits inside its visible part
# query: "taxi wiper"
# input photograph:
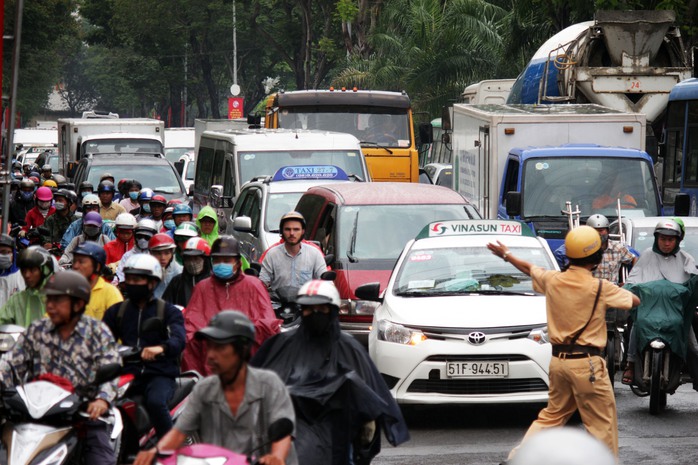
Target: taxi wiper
(356, 177)
(501, 292)
(432, 293)
(352, 240)
(376, 144)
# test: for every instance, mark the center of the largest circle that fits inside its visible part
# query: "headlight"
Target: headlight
(7, 341)
(393, 332)
(540, 335)
(361, 310)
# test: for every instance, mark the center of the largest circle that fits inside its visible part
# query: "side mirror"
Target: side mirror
(682, 204)
(153, 324)
(190, 191)
(107, 373)
(329, 259)
(254, 120)
(280, 429)
(445, 119)
(328, 276)
(513, 200)
(242, 224)
(369, 291)
(179, 166)
(426, 133)
(217, 198)
(72, 166)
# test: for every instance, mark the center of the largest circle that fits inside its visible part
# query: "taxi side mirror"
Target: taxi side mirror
(513, 200)
(682, 204)
(369, 291)
(242, 224)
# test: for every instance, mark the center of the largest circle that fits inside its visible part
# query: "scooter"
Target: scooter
(207, 454)
(8, 336)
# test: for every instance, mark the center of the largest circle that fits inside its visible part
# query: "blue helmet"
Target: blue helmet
(95, 252)
(145, 195)
(182, 209)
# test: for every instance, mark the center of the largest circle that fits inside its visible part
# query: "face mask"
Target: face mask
(316, 322)
(169, 224)
(133, 195)
(137, 292)
(5, 261)
(84, 193)
(223, 270)
(43, 205)
(26, 196)
(142, 243)
(59, 206)
(146, 207)
(194, 265)
(91, 230)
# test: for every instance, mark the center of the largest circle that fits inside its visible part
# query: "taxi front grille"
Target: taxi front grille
(478, 386)
(473, 357)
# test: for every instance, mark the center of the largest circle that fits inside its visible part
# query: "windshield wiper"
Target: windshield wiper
(502, 292)
(376, 144)
(356, 177)
(352, 240)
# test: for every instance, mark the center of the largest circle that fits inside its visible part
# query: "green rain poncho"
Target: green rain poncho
(24, 307)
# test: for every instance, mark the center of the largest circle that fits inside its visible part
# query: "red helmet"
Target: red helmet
(196, 246)
(161, 241)
(173, 202)
(158, 199)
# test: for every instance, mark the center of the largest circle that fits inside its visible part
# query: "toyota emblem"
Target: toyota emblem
(476, 338)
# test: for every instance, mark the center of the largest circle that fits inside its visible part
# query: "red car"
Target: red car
(365, 226)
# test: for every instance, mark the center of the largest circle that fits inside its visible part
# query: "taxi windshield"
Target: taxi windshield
(453, 270)
(254, 164)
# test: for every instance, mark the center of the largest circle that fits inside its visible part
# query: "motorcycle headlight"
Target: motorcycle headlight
(7, 342)
(398, 334)
(539, 335)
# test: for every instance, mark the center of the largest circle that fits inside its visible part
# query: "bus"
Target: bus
(381, 120)
(678, 171)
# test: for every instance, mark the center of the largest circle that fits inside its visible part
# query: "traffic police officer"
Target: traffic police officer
(576, 305)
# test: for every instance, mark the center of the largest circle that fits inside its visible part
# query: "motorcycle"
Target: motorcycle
(44, 420)
(206, 453)
(8, 336)
(287, 309)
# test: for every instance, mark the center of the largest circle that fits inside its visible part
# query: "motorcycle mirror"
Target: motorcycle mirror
(280, 429)
(328, 276)
(329, 259)
(151, 324)
(107, 373)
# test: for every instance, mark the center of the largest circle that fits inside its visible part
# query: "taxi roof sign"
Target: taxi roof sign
(475, 227)
(290, 173)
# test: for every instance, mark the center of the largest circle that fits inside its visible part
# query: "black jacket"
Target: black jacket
(179, 290)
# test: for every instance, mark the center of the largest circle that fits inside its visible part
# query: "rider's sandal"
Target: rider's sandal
(628, 374)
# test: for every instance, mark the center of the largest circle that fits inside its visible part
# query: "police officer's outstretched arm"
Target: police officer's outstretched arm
(502, 251)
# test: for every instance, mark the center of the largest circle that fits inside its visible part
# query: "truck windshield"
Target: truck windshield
(381, 231)
(123, 146)
(370, 126)
(594, 184)
(161, 178)
(253, 164)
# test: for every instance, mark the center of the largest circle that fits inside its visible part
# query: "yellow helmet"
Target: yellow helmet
(582, 242)
(50, 183)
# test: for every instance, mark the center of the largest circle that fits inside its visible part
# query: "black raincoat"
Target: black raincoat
(336, 389)
(180, 288)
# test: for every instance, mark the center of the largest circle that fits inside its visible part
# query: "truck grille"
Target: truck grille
(478, 386)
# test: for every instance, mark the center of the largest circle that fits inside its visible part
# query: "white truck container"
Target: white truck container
(201, 125)
(535, 149)
(78, 137)
(178, 141)
(489, 91)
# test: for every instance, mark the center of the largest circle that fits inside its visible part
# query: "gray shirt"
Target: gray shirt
(280, 269)
(266, 400)
(652, 266)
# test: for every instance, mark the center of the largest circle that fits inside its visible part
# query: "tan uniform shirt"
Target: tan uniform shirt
(111, 212)
(569, 299)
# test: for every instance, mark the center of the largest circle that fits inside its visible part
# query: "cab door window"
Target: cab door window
(228, 179)
(250, 206)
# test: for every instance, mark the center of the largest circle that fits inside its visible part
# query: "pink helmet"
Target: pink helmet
(44, 194)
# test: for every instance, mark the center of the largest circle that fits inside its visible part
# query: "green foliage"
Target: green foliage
(347, 10)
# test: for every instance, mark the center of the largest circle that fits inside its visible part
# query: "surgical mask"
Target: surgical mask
(59, 206)
(169, 224)
(26, 196)
(194, 265)
(43, 205)
(223, 270)
(317, 323)
(137, 292)
(91, 230)
(142, 243)
(5, 261)
(133, 195)
(146, 207)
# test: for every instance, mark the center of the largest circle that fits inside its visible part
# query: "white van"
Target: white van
(178, 141)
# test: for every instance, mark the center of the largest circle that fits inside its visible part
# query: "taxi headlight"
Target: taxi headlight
(398, 334)
(539, 335)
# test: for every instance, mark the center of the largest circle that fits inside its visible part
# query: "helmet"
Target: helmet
(146, 226)
(598, 221)
(44, 194)
(60, 179)
(34, 177)
(70, 283)
(582, 242)
(225, 246)
(182, 209)
(106, 186)
(122, 183)
(36, 257)
(186, 229)
(571, 446)
(46, 167)
(173, 202)
(125, 221)
(679, 221)
(7, 240)
(145, 195)
(24, 183)
(143, 264)
(318, 291)
(86, 185)
(95, 252)
(17, 165)
(291, 216)
(92, 218)
(227, 326)
(90, 199)
(136, 183)
(106, 176)
(50, 183)
(667, 227)
(196, 246)
(161, 241)
(158, 199)
(66, 194)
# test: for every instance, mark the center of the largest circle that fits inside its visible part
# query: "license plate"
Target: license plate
(477, 369)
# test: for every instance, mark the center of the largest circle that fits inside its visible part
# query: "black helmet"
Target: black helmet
(7, 240)
(36, 257)
(106, 186)
(228, 326)
(66, 194)
(86, 185)
(295, 216)
(70, 283)
(26, 183)
(225, 246)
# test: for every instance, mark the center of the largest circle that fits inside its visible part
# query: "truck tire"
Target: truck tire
(657, 394)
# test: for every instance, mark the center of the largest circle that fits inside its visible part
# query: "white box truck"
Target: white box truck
(526, 161)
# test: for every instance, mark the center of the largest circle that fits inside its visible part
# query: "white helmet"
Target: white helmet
(146, 226)
(597, 221)
(125, 221)
(568, 446)
(318, 292)
(90, 199)
(143, 264)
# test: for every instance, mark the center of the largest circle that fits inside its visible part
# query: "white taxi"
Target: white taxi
(456, 324)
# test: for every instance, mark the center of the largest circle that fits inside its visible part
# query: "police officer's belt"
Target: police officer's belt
(574, 351)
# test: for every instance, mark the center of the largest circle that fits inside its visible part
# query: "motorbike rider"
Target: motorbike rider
(56, 225)
(130, 202)
(181, 235)
(36, 265)
(22, 202)
(197, 267)
(291, 263)
(68, 345)
(255, 397)
(90, 203)
(124, 226)
(145, 230)
(162, 247)
(11, 279)
(89, 260)
(577, 330)
(159, 358)
(143, 211)
(339, 419)
(207, 222)
(91, 231)
(85, 188)
(108, 208)
(158, 203)
(228, 287)
(37, 215)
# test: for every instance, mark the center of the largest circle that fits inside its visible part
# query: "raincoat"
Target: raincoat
(208, 212)
(11, 280)
(24, 307)
(116, 249)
